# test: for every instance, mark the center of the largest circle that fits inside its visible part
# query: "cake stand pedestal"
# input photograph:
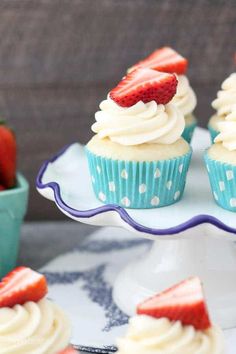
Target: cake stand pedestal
(191, 237)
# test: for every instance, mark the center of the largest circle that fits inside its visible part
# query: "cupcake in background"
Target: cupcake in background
(29, 322)
(226, 97)
(220, 158)
(173, 322)
(168, 60)
(137, 159)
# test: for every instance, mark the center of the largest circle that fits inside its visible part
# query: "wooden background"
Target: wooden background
(58, 59)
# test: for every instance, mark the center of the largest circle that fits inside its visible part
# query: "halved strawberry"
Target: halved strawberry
(7, 157)
(164, 59)
(69, 350)
(144, 85)
(184, 302)
(22, 285)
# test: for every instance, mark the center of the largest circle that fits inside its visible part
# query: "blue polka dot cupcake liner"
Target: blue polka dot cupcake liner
(188, 132)
(222, 177)
(138, 185)
(213, 133)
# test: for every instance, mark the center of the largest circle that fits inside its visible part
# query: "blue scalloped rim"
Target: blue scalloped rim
(196, 220)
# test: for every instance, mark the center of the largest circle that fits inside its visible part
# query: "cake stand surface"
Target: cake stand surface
(192, 237)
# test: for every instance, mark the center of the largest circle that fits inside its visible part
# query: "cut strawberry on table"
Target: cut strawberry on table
(184, 302)
(69, 350)
(22, 285)
(144, 85)
(164, 59)
(7, 157)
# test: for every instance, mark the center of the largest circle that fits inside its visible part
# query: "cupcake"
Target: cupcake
(137, 159)
(220, 160)
(29, 322)
(168, 60)
(173, 322)
(226, 97)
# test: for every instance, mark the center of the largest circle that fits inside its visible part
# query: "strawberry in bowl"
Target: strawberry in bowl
(13, 200)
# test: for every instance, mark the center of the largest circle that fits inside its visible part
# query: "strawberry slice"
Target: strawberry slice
(144, 85)
(69, 350)
(22, 285)
(184, 302)
(7, 157)
(164, 59)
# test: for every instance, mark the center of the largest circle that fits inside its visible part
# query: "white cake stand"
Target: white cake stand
(191, 237)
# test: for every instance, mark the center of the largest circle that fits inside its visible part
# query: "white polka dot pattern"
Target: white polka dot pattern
(215, 196)
(222, 186)
(177, 194)
(138, 184)
(142, 188)
(181, 168)
(157, 173)
(125, 201)
(124, 174)
(112, 186)
(233, 202)
(155, 201)
(229, 175)
(102, 196)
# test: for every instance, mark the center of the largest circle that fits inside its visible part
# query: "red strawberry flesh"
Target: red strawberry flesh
(184, 302)
(164, 59)
(7, 157)
(22, 285)
(144, 85)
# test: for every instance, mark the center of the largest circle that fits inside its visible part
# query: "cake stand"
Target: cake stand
(191, 237)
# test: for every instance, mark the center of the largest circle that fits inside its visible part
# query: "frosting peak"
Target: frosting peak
(139, 124)
(147, 335)
(185, 98)
(34, 328)
(226, 102)
(226, 97)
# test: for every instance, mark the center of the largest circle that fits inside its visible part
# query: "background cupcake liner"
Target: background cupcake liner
(213, 133)
(138, 184)
(222, 178)
(188, 132)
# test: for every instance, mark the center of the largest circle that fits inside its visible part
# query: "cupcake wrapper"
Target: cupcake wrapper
(138, 185)
(213, 133)
(188, 132)
(222, 178)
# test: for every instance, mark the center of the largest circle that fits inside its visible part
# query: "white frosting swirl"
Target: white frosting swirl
(139, 124)
(226, 97)
(147, 335)
(34, 328)
(227, 129)
(185, 98)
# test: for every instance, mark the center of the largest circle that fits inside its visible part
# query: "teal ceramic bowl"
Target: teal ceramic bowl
(13, 206)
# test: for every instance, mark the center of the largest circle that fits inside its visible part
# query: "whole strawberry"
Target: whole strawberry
(7, 157)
